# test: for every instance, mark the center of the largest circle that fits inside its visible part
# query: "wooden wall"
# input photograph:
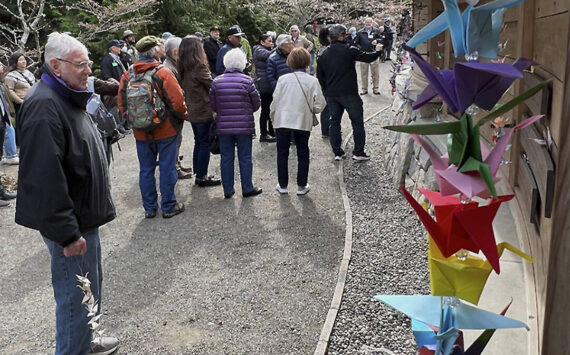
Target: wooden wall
(538, 30)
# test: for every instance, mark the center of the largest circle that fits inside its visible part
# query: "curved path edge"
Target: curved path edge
(343, 270)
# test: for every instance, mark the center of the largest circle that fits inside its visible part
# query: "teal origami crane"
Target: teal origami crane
(477, 29)
(449, 317)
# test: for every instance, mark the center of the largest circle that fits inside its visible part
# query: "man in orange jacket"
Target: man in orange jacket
(161, 141)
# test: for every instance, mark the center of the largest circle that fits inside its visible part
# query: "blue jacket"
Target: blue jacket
(234, 98)
(220, 67)
(276, 66)
(260, 55)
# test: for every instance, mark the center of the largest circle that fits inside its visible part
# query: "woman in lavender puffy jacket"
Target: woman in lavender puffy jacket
(234, 99)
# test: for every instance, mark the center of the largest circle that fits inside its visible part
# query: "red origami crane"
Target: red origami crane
(460, 225)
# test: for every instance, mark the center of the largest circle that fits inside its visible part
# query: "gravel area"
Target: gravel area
(389, 256)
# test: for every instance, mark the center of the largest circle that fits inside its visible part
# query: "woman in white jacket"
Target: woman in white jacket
(296, 100)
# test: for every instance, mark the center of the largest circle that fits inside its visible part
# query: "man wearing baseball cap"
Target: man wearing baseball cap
(111, 65)
(212, 46)
(233, 34)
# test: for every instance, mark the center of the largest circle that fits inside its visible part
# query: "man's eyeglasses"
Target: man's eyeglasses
(80, 65)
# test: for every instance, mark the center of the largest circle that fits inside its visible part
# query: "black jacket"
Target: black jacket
(111, 68)
(364, 41)
(211, 47)
(63, 181)
(336, 69)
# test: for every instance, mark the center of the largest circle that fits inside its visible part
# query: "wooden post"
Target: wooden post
(557, 313)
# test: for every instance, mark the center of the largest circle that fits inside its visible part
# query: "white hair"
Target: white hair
(59, 45)
(150, 53)
(235, 58)
(272, 33)
(282, 39)
(171, 44)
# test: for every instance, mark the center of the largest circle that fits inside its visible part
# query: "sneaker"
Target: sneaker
(11, 161)
(267, 139)
(364, 92)
(150, 214)
(256, 191)
(186, 170)
(376, 92)
(178, 209)
(104, 346)
(339, 155)
(303, 190)
(360, 156)
(281, 190)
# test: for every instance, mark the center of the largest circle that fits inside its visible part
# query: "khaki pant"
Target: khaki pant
(364, 75)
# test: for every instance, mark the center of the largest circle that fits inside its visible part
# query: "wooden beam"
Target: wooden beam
(557, 312)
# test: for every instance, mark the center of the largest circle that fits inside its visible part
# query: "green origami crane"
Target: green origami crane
(463, 143)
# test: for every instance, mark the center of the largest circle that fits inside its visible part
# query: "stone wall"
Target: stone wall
(405, 160)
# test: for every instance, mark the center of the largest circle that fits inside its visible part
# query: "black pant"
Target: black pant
(284, 137)
(265, 125)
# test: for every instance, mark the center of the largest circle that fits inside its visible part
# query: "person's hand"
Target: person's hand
(78, 247)
(374, 42)
(379, 47)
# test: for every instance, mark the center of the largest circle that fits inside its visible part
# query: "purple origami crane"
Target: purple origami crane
(468, 83)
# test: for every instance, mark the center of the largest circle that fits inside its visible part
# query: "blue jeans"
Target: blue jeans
(325, 121)
(201, 154)
(227, 157)
(284, 136)
(10, 142)
(353, 106)
(73, 335)
(311, 65)
(147, 151)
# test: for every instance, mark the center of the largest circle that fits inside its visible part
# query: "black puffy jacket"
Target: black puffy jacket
(260, 55)
(63, 181)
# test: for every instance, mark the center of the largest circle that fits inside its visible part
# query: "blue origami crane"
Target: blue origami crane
(428, 309)
(468, 83)
(477, 29)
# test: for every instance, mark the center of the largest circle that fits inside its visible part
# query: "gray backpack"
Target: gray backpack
(145, 108)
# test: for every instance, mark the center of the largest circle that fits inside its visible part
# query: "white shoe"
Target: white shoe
(104, 346)
(281, 190)
(11, 161)
(303, 190)
(339, 156)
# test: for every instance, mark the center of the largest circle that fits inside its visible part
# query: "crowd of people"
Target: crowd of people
(67, 120)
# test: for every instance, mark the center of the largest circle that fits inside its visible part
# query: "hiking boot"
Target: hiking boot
(4, 203)
(178, 209)
(210, 181)
(267, 139)
(360, 156)
(186, 170)
(340, 155)
(303, 190)
(182, 175)
(281, 190)
(150, 214)
(256, 191)
(5, 195)
(104, 346)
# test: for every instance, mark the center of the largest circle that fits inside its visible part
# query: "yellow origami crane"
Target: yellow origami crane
(462, 278)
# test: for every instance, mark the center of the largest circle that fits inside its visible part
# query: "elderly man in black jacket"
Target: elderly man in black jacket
(366, 39)
(211, 46)
(64, 189)
(337, 75)
(111, 65)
